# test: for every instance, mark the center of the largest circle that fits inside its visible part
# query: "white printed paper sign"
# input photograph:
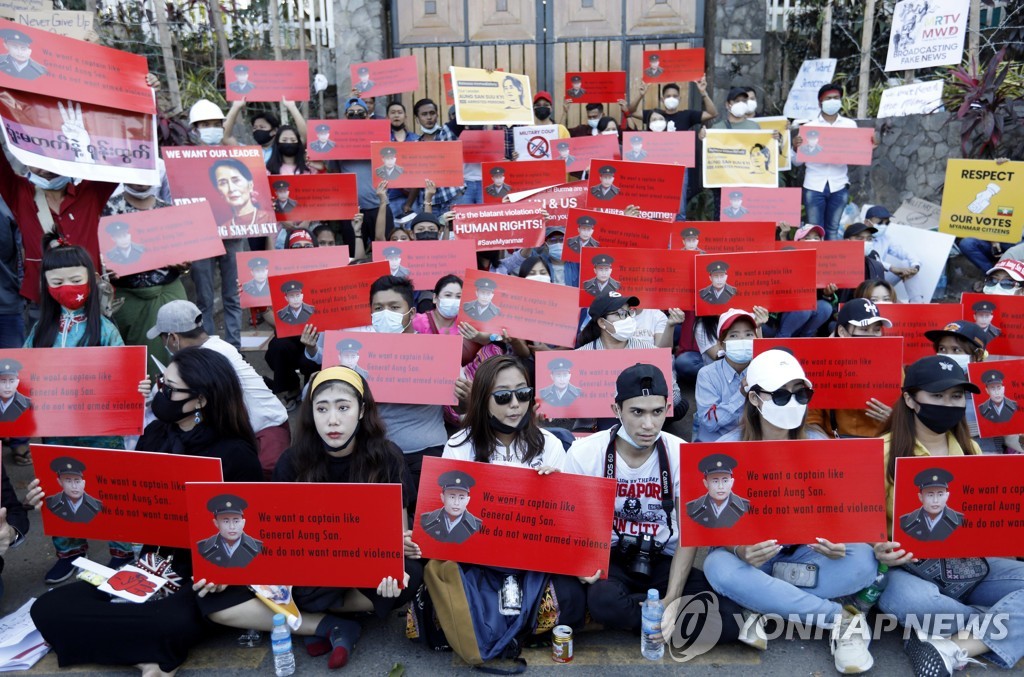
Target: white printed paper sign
(802, 102)
(927, 33)
(920, 98)
(535, 142)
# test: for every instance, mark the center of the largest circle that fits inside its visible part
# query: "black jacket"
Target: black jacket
(17, 516)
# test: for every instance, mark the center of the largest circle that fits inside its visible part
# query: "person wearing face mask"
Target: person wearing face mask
(400, 199)
(426, 113)
(751, 102)
(543, 113)
(861, 232)
(441, 319)
(644, 461)
(928, 420)
(826, 189)
(595, 111)
(719, 393)
(178, 326)
(609, 127)
(266, 126)
(735, 118)
(561, 272)
(777, 394)
(1006, 278)
(288, 154)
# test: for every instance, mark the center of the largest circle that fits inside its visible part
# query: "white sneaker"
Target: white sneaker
(752, 632)
(935, 656)
(850, 641)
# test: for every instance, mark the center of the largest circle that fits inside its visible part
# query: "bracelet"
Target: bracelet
(736, 554)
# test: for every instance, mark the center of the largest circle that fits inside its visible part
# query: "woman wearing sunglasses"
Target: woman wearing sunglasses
(777, 396)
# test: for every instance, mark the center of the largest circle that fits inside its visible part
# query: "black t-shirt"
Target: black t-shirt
(682, 119)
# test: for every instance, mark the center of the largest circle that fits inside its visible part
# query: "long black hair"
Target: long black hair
(210, 374)
(276, 159)
(375, 459)
(57, 255)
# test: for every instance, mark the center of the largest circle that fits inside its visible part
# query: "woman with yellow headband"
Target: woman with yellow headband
(341, 438)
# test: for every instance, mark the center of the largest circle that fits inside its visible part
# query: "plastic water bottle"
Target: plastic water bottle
(281, 641)
(651, 612)
(868, 597)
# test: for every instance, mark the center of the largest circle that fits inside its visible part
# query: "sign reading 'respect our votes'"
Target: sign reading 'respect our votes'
(136, 497)
(233, 179)
(514, 517)
(400, 368)
(983, 199)
(527, 309)
(846, 372)
(499, 226)
(614, 185)
(96, 393)
(660, 278)
(778, 281)
(588, 228)
(157, 238)
(582, 383)
(959, 506)
(1001, 316)
(335, 298)
(338, 535)
(266, 80)
(1002, 388)
(793, 491)
(256, 267)
(425, 261)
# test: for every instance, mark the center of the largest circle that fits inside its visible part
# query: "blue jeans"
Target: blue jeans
(825, 209)
(474, 194)
(756, 589)
(12, 331)
(203, 277)
(800, 323)
(681, 216)
(686, 365)
(978, 252)
(1002, 591)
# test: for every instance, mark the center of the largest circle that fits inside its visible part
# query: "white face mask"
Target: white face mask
(540, 278)
(387, 322)
(738, 109)
(831, 107)
(751, 106)
(869, 247)
(56, 183)
(996, 290)
(152, 191)
(448, 308)
(430, 130)
(962, 360)
(593, 123)
(880, 227)
(610, 131)
(623, 435)
(788, 417)
(657, 125)
(740, 351)
(211, 135)
(623, 330)
(671, 102)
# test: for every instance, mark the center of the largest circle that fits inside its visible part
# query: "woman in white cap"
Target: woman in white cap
(777, 395)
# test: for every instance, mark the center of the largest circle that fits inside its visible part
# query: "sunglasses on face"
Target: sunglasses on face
(1005, 283)
(505, 396)
(168, 390)
(356, 114)
(781, 397)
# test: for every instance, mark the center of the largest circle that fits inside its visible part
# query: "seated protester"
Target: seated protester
(417, 429)
(876, 291)
(873, 268)
(426, 226)
(708, 349)
(561, 272)
(200, 412)
(447, 301)
(180, 325)
(399, 235)
(928, 420)
(804, 323)
(595, 111)
(324, 236)
(1006, 278)
(776, 404)
(341, 438)
(644, 461)
(719, 392)
(857, 318)
(283, 239)
(14, 522)
(906, 265)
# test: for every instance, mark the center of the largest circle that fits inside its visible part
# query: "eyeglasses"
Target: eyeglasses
(168, 390)
(1005, 283)
(505, 396)
(356, 115)
(781, 397)
(623, 314)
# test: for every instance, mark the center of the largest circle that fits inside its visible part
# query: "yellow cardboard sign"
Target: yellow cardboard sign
(485, 97)
(779, 124)
(983, 199)
(740, 157)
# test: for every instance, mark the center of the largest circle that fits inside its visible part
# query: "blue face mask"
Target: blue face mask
(555, 251)
(56, 183)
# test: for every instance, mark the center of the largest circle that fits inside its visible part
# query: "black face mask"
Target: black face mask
(427, 235)
(166, 409)
(939, 418)
(506, 429)
(542, 112)
(289, 149)
(262, 136)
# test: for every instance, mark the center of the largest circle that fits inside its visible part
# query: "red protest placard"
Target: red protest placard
(673, 65)
(500, 226)
(546, 314)
(449, 91)
(252, 80)
(558, 200)
(389, 76)
(1002, 318)
(503, 178)
(233, 179)
(794, 491)
(400, 368)
(778, 281)
(578, 151)
(660, 278)
(603, 229)
(972, 505)
(309, 197)
(514, 517)
(595, 87)
(255, 269)
(338, 535)
(130, 496)
(425, 262)
(714, 237)
(76, 70)
(409, 165)
(762, 204)
(614, 185)
(838, 262)
(156, 238)
(335, 298)
(835, 145)
(846, 372)
(582, 383)
(482, 145)
(998, 407)
(912, 320)
(677, 148)
(92, 391)
(345, 139)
